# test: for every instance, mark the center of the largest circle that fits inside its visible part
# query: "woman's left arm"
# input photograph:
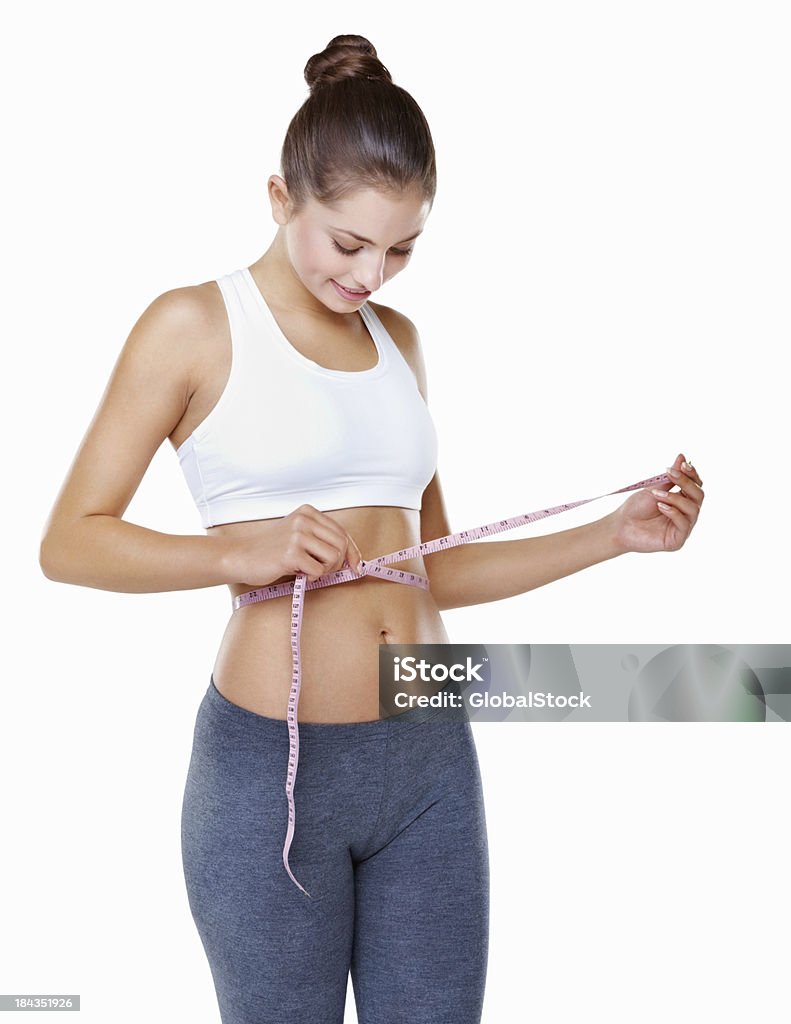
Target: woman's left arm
(486, 571)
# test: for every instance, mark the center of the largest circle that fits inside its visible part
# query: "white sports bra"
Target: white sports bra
(286, 431)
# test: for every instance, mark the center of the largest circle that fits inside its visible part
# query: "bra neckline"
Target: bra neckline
(311, 364)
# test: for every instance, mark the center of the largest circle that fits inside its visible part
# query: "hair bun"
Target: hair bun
(345, 57)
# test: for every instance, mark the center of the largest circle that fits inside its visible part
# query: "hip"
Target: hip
(360, 785)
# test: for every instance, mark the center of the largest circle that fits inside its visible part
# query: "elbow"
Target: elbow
(52, 552)
(47, 559)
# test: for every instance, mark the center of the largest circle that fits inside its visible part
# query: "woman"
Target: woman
(298, 412)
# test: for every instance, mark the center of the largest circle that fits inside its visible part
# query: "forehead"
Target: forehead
(372, 213)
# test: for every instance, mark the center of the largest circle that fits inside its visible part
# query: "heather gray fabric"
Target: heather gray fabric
(390, 841)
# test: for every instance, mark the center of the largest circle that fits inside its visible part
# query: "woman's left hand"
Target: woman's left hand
(642, 524)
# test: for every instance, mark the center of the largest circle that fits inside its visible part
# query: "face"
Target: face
(327, 257)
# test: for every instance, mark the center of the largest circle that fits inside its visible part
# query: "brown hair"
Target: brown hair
(357, 129)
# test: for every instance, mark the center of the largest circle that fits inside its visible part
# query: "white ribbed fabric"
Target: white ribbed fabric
(287, 431)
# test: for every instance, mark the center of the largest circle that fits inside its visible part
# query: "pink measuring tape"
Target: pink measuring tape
(375, 567)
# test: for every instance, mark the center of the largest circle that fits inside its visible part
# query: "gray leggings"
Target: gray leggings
(390, 841)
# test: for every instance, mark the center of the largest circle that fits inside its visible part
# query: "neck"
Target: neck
(282, 288)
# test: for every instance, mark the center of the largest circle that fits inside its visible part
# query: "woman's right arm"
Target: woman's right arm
(85, 540)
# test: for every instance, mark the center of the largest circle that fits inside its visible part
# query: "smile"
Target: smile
(348, 293)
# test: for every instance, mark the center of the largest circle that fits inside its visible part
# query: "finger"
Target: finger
(677, 517)
(692, 490)
(335, 534)
(331, 532)
(322, 552)
(353, 555)
(688, 468)
(678, 502)
(327, 530)
(309, 566)
(686, 483)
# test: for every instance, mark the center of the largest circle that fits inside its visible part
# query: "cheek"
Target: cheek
(321, 263)
(310, 254)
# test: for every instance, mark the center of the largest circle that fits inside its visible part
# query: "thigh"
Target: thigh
(422, 894)
(276, 956)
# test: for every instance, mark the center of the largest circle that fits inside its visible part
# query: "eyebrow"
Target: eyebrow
(360, 238)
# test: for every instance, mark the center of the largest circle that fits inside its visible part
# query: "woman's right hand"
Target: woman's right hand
(305, 541)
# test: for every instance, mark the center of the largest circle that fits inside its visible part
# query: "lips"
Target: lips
(351, 291)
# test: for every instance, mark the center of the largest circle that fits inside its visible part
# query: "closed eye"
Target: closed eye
(351, 252)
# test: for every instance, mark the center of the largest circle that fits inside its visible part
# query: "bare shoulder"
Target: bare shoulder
(149, 389)
(405, 334)
(182, 323)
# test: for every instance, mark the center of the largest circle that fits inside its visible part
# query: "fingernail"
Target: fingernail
(659, 494)
(359, 568)
(674, 473)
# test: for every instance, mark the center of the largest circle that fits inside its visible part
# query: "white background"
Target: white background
(620, 172)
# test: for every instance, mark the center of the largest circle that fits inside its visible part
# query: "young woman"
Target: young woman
(297, 408)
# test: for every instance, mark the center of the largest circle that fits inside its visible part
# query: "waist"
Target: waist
(339, 648)
(415, 565)
(356, 616)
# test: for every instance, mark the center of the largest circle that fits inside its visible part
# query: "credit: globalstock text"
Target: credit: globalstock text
(448, 699)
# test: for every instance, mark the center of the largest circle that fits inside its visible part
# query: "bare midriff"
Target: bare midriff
(342, 627)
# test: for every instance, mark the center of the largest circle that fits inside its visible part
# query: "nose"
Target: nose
(370, 272)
